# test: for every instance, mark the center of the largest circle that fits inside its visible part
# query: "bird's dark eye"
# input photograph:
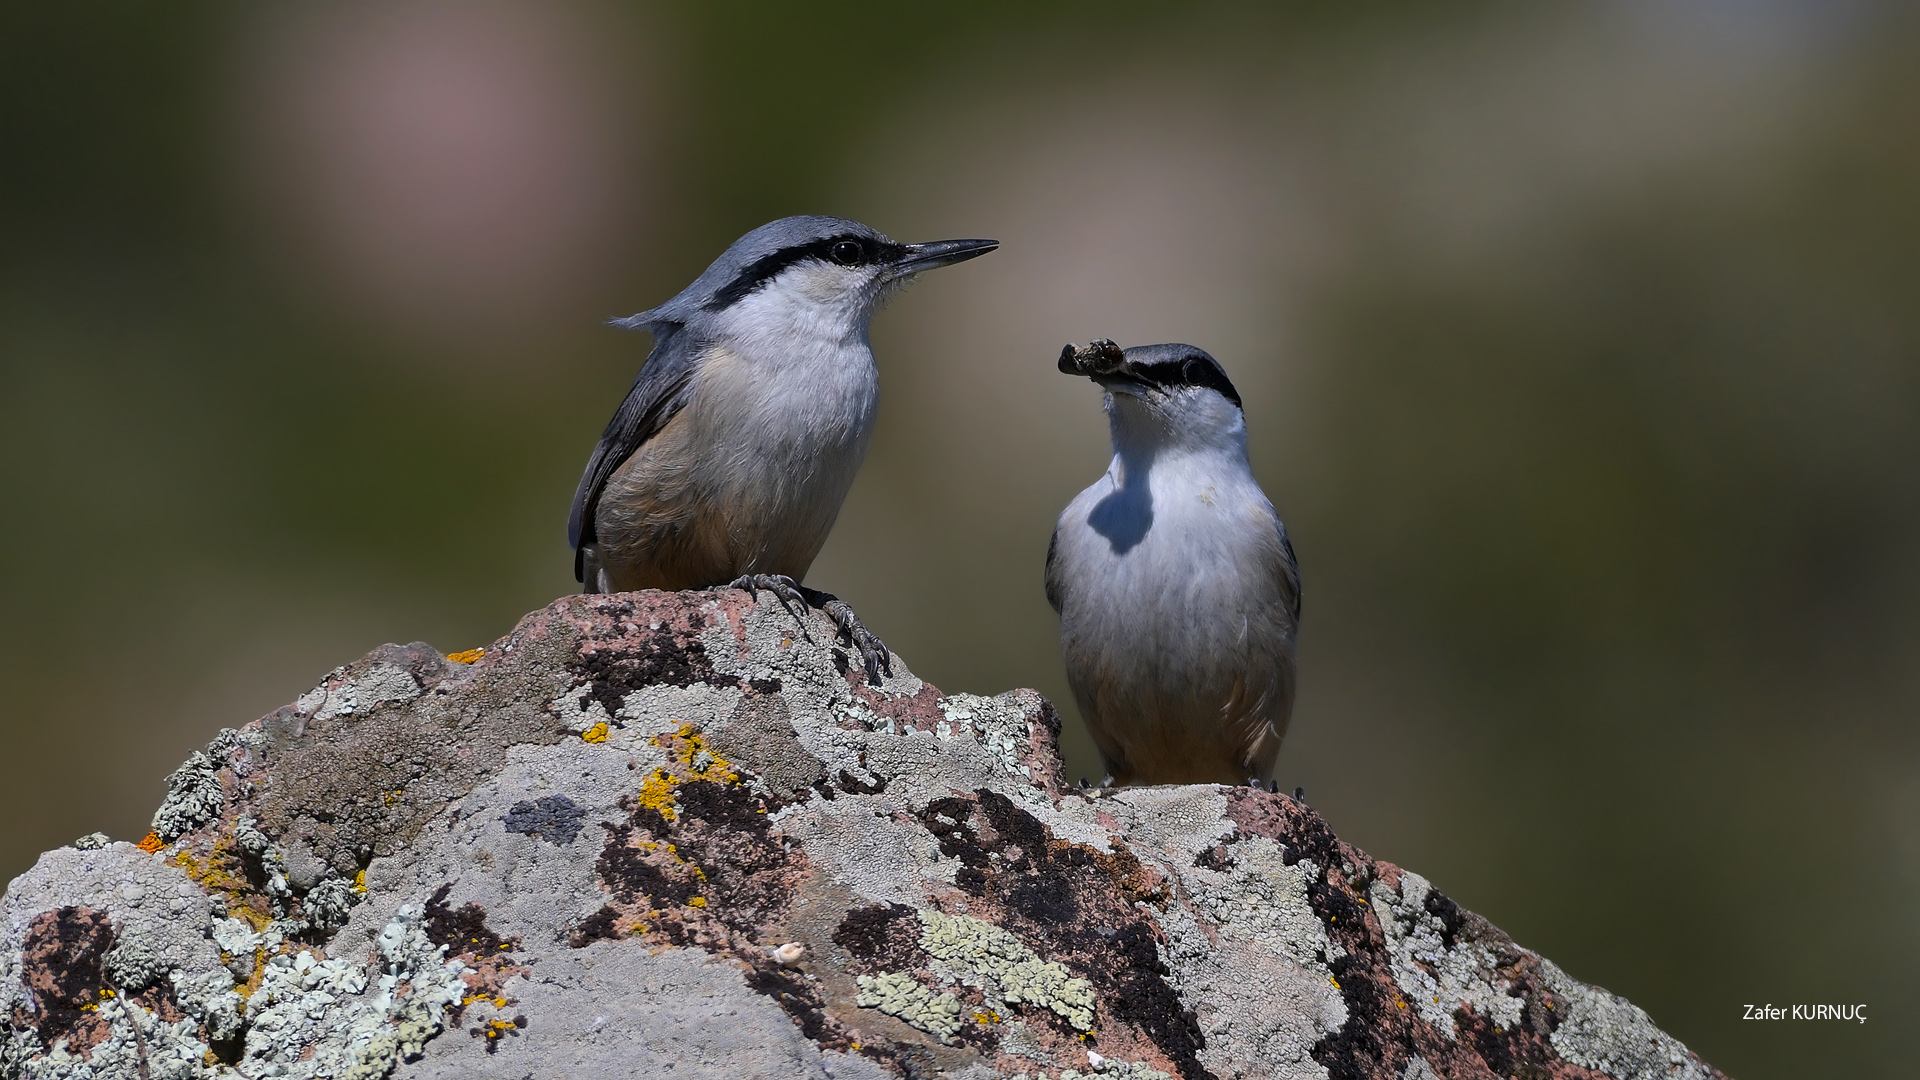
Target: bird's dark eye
(847, 252)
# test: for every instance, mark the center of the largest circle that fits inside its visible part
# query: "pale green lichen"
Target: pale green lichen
(983, 955)
(897, 993)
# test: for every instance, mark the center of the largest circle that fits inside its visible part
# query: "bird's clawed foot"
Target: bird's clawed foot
(874, 656)
(873, 652)
(783, 588)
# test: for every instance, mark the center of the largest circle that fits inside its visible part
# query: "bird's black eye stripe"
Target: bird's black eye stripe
(1189, 371)
(843, 250)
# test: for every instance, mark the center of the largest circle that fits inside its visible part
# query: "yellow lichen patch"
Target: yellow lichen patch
(691, 759)
(246, 989)
(597, 733)
(150, 843)
(394, 795)
(495, 1030)
(698, 901)
(466, 656)
(656, 793)
(360, 883)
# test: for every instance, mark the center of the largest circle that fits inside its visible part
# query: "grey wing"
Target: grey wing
(1289, 572)
(659, 392)
(1056, 593)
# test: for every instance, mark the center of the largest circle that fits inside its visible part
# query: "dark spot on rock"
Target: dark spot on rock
(462, 930)
(1447, 912)
(553, 818)
(801, 1000)
(665, 658)
(1043, 898)
(853, 786)
(63, 961)
(764, 686)
(626, 871)
(947, 819)
(602, 925)
(840, 662)
(1214, 858)
(971, 880)
(882, 937)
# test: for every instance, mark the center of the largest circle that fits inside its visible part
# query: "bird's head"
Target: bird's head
(1170, 394)
(812, 274)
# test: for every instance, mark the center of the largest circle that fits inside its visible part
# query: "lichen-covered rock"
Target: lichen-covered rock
(655, 830)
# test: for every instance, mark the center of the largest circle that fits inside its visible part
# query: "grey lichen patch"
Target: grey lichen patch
(329, 904)
(1610, 1034)
(345, 692)
(194, 796)
(983, 955)
(1435, 974)
(899, 994)
(133, 963)
(159, 1051)
(93, 841)
(1262, 899)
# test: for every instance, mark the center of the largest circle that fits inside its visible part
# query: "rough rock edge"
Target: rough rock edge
(899, 879)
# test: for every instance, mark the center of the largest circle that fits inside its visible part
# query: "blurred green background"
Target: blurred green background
(1580, 348)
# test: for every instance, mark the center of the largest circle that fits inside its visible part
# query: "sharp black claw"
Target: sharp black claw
(1273, 787)
(874, 656)
(1299, 794)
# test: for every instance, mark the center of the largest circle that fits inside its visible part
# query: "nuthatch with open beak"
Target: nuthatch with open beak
(1177, 588)
(727, 463)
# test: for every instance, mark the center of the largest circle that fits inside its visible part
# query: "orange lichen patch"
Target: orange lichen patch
(466, 656)
(596, 734)
(151, 843)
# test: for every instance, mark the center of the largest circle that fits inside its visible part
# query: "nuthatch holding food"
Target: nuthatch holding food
(1177, 588)
(727, 463)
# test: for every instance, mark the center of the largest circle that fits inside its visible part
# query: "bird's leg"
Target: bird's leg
(873, 652)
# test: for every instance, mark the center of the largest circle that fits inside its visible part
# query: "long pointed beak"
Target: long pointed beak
(941, 253)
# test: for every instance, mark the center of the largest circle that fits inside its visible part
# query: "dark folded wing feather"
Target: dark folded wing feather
(1056, 591)
(659, 392)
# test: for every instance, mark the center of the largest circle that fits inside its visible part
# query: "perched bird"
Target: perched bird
(1177, 588)
(727, 463)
